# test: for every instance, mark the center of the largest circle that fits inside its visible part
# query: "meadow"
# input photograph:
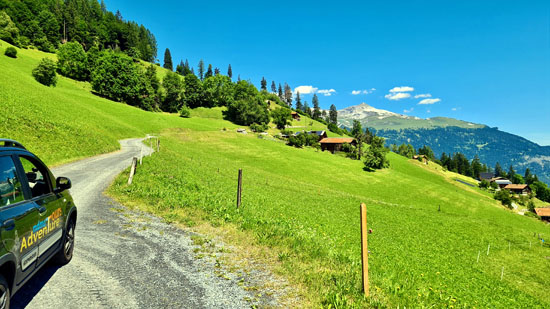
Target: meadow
(304, 205)
(300, 204)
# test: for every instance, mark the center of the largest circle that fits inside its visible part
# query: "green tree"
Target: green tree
(248, 111)
(281, 117)
(174, 94)
(528, 177)
(375, 155)
(201, 70)
(11, 52)
(194, 94)
(504, 197)
(511, 172)
(209, 72)
(72, 61)
(299, 105)
(288, 95)
(499, 172)
(280, 93)
(154, 82)
(263, 84)
(245, 91)
(229, 72)
(168, 60)
(8, 30)
(517, 179)
(273, 87)
(44, 73)
(216, 71)
(316, 109)
(476, 167)
(333, 115)
(218, 91)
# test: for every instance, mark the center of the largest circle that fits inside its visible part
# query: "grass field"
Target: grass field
(304, 205)
(300, 204)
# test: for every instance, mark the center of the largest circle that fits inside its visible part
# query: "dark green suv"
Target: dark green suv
(37, 218)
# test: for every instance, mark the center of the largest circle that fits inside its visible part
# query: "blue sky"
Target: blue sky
(481, 61)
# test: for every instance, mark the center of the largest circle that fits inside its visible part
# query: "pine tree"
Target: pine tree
(281, 93)
(288, 95)
(499, 172)
(306, 109)
(333, 115)
(201, 69)
(264, 84)
(528, 176)
(103, 7)
(209, 72)
(316, 108)
(168, 60)
(180, 68)
(216, 71)
(511, 172)
(298, 101)
(229, 71)
(186, 69)
(273, 87)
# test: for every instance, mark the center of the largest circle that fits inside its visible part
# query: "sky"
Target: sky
(481, 61)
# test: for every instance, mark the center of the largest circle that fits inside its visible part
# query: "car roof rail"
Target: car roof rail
(11, 143)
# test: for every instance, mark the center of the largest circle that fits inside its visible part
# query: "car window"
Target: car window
(37, 175)
(10, 185)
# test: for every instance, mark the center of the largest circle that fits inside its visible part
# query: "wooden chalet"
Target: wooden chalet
(334, 144)
(295, 116)
(422, 158)
(320, 134)
(518, 189)
(486, 176)
(544, 213)
(501, 182)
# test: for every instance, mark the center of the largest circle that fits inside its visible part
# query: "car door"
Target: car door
(49, 228)
(17, 217)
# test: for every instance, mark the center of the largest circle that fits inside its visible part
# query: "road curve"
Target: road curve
(125, 259)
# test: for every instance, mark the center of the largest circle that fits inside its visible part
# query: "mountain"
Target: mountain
(451, 135)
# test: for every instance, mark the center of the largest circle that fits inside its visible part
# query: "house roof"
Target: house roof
(543, 212)
(294, 113)
(503, 182)
(336, 140)
(486, 175)
(516, 187)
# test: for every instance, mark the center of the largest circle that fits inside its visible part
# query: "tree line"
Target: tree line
(46, 24)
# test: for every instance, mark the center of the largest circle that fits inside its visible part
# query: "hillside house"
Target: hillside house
(295, 116)
(422, 158)
(320, 134)
(501, 182)
(486, 176)
(544, 213)
(518, 189)
(334, 144)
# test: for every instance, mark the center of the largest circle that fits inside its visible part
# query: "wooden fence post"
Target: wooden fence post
(364, 249)
(158, 144)
(141, 154)
(132, 170)
(239, 187)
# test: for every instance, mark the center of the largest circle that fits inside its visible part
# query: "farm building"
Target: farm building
(501, 182)
(544, 213)
(319, 134)
(486, 176)
(295, 116)
(518, 189)
(334, 144)
(422, 158)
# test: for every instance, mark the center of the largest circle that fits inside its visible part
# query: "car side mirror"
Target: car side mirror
(62, 184)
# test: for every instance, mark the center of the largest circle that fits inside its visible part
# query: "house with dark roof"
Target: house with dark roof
(295, 116)
(320, 134)
(518, 189)
(334, 144)
(501, 182)
(486, 176)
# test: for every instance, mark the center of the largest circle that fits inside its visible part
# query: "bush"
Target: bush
(73, 61)
(259, 127)
(375, 154)
(504, 197)
(185, 112)
(44, 73)
(281, 117)
(248, 111)
(11, 52)
(532, 215)
(484, 184)
(531, 206)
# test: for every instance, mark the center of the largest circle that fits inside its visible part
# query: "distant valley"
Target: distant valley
(451, 135)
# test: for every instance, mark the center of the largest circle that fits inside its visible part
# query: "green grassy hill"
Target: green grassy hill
(300, 204)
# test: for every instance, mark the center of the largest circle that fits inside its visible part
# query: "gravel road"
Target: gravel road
(127, 259)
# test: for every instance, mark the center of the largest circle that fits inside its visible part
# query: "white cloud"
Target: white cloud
(428, 111)
(397, 96)
(408, 111)
(454, 109)
(366, 91)
(402, 89)
(327, 92)
(305, 89)
(429, 101)
(423, 95)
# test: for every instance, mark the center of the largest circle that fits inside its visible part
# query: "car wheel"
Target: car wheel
(65, 253)
(5, 293)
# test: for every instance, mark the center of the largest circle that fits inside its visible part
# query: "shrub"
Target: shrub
(259, 127)
(248, 111)
(531, 206)
(73, 61)
(504, 197)
(11, 52)
(484, 184)
(532, 215)
(44, 73)
(185, 112)
(281, 117)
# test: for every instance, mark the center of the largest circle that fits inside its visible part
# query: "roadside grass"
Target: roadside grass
(304, 206)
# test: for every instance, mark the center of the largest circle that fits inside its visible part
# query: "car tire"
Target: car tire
(4, 293)
(65, 253)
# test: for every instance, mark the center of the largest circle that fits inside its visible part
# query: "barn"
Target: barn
(334, 144)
